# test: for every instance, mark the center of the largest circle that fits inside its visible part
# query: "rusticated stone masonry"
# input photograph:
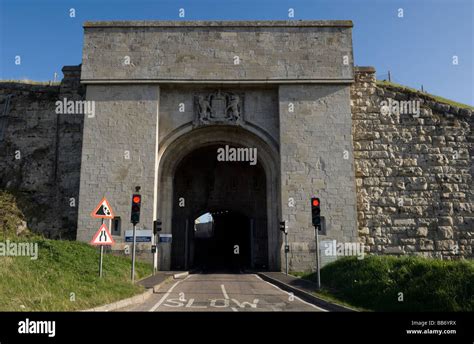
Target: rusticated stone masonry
(413, 172)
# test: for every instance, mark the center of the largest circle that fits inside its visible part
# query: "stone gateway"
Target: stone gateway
(246, 121)
(184, 94)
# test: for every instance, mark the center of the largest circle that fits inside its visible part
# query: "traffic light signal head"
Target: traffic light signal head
(156, 226)
(316, 211)
(136, 204)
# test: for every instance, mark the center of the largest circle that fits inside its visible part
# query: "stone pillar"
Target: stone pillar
(316, 160)
(118, 154)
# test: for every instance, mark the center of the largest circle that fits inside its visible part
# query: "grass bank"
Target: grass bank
(386, 283)
(64, 276)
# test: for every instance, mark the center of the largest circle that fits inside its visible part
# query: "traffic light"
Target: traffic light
(156, 226)
(282, 226)
(316, 211)
(136, 204)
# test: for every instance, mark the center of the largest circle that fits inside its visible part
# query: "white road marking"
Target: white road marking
(226, 296)
(224, 291)
(152, 309)
(291, 294)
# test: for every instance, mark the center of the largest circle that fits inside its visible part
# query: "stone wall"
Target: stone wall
(413, 172)
(217, 51)
(316, 160)
(119, 154)
(40, 152)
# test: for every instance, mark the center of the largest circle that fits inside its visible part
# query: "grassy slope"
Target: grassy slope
(30, 82)
(435, 98)
(62, 268)
(374, 283)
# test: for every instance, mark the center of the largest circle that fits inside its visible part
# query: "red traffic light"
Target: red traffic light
(315, 202)
(136, 199)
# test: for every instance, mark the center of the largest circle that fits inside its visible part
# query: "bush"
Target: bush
(427, 284)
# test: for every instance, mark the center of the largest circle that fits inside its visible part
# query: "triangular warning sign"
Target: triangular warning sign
(102, 237)
(103, 210)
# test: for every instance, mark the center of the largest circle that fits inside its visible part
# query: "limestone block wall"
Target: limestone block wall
(316, 160)
(217, 51)
(40, 152)
(119, 154)
(413, 172)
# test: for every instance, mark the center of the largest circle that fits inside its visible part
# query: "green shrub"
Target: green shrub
(376, 281)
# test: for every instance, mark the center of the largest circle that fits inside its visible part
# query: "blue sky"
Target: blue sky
(418, 49)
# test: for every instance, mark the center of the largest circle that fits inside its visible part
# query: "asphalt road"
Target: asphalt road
(222, 293)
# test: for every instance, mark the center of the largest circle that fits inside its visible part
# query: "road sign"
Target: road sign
(165, 237)
(103, 210)
(142, 235)
(102, 237)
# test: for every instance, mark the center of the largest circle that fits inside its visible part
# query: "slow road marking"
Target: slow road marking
(152, 309)
(226, 296)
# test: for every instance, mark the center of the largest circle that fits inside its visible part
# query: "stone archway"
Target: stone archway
(184, 148)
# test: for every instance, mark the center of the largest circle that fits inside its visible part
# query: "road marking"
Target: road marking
(296, 297)
(226, 296)
(152, 309)
(224, 291)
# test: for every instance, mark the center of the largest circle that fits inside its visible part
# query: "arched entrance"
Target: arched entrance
(235, 193)
(242, 196)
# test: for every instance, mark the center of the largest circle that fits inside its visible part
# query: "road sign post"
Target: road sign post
(102, 238)
(101, 260)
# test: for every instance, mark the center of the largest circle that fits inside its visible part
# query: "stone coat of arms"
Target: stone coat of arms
(218, 107)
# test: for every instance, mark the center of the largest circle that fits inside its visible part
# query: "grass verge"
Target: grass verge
(385, 283)
(64, 277)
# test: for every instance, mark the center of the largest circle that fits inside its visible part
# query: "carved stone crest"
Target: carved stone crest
(218, 107)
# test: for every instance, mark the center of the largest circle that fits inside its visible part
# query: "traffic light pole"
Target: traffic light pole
(133, 251)
(286, 252)
(318, 266)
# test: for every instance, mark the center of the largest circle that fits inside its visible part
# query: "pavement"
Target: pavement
(222, 292)
(304, 289)
(158, 278)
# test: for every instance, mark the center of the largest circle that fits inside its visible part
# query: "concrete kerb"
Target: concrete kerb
(181, 275)
(137, 299)
(306, 296)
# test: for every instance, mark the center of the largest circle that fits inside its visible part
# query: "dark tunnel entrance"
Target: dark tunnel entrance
(234, 195)
(223, 243)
